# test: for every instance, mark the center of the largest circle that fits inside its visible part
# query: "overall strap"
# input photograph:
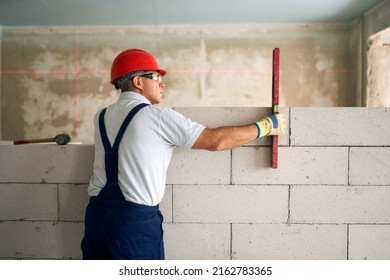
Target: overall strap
(125, 123)
(111, 153)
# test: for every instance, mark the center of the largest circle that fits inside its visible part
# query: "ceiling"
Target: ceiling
(129, 12)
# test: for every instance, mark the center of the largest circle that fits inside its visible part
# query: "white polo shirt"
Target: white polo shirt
(145, 150)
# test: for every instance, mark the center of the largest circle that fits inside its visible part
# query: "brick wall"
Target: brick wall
(329, 198)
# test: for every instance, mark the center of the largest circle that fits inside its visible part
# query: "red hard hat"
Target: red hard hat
(133, 60)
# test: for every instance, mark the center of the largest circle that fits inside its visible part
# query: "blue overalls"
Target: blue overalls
(116, 228)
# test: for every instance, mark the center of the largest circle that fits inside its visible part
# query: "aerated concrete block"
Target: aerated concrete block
(340, 204)
(288, 242)
(73, 200)
(297, 165)
(48, 163)
(199, 167)
(369, 242)
(340, 127)
(28, 202)
(369, 166)
(197, 241)
(230, 204)
(41, 240)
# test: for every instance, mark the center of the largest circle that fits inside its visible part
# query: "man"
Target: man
(134, 142)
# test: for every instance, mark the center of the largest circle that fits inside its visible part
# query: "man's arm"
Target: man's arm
(225, 138)
(229, 137)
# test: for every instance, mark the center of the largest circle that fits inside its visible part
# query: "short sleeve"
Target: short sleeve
(179, 130)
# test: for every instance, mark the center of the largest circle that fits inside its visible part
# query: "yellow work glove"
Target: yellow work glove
(272, 125)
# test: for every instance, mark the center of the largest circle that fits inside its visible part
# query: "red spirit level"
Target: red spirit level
(275, 103)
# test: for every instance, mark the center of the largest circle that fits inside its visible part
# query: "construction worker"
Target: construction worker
(134, 142)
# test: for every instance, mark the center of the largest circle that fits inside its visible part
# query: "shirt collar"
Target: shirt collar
(135, 96)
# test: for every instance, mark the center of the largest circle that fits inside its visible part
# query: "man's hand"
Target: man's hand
(272, 125)
(278, 124)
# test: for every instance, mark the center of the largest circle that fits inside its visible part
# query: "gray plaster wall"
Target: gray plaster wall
(54, 79)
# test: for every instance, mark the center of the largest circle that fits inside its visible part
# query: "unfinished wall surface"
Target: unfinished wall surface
(378, 72)
(54, 79)
(329, 198)
(1, 137)
(373, 21)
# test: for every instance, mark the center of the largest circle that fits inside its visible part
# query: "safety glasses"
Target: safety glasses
(157, 78)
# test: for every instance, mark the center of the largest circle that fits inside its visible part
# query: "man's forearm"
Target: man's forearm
(226, 138)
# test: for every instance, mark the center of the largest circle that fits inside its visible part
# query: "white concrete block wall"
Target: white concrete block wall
(329, 198)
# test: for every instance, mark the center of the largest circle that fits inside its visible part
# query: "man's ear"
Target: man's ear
(137, 82)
